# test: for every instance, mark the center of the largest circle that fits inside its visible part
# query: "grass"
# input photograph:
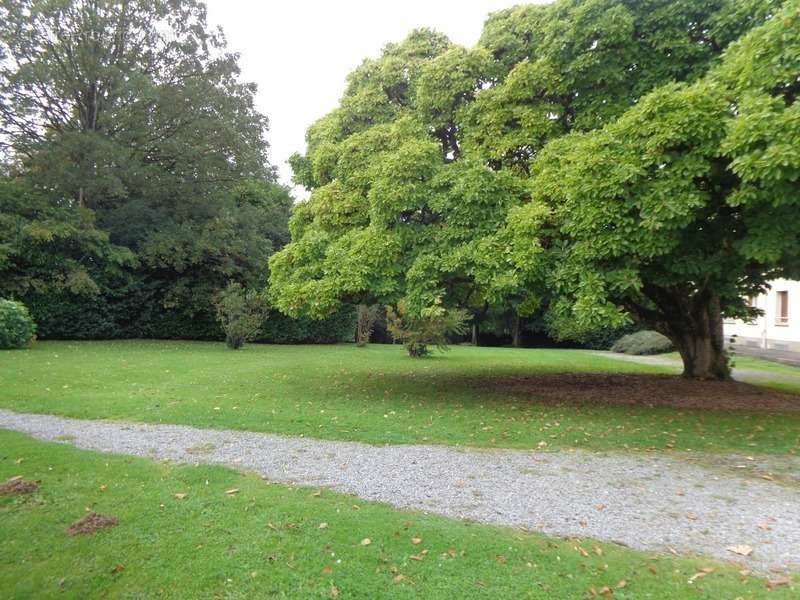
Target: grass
(750, 362)
(266, 541)
(374, 394)
(784, 373)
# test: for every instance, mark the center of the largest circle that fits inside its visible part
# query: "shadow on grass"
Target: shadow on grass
(595, 390)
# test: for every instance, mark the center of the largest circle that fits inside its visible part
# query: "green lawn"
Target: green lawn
(374, 394)
(750, 362)
(266, 541)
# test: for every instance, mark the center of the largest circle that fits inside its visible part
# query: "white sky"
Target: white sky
(299, 52)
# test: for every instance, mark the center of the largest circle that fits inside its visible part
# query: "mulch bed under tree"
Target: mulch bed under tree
(92, 522)
(17, 486)
(622, 389)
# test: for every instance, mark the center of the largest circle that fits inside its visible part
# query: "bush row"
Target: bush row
(67, 316)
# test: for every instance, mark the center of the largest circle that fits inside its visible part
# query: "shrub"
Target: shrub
(603, 339)
(643, 342)
(240, 313)
(431, 328)
(16, 325)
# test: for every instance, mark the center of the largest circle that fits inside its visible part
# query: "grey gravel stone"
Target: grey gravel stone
(645, 501)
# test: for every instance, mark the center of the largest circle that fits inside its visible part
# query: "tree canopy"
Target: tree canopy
(138, 164)
(601, 159)
(684, 206)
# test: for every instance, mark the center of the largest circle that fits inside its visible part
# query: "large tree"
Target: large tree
(135, 112)
(684, 206)
(421, 179)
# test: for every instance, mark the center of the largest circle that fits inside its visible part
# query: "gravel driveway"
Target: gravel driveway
(642, 500)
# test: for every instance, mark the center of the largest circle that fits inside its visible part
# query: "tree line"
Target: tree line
(135, 181)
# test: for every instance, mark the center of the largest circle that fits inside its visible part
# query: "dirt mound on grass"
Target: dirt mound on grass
(17, 486)
(619, 389)
(91, 523)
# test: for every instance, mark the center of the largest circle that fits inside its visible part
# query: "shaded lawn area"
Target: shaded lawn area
(744, 361)
(265, 540)
(471, 396)
(751, 362)
(787, 377)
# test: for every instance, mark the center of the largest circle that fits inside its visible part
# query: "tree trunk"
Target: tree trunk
(701, 343)
(474, 334)
(516, 331)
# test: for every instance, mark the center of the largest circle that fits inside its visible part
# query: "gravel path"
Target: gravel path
(645, 501)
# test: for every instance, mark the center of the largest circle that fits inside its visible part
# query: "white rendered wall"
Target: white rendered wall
(764, 331)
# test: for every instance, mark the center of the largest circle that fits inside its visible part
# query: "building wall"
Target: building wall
(765, 332)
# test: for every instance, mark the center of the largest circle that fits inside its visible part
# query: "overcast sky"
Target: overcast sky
(299, 52)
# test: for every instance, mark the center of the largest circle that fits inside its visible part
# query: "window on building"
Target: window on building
(782, 312)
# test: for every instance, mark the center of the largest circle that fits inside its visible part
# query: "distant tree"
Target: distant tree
(47, 247)
(110, 99)
(133, 115)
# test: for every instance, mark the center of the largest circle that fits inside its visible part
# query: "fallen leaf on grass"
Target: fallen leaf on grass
(327, 571)
(323, 525)
(366, 542)
(741, 549)
(416, 541)
(621, 584)
(778, 581)
(117, 569)
(180, 495)
(232, 491)
(398, 578)
(702, 573)
(500, 558)
(334, 591)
